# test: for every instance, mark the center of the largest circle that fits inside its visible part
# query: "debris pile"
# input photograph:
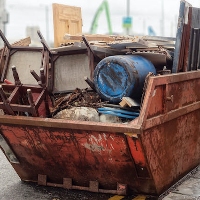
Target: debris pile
(83, 73)
(57, 84)
(78, 98)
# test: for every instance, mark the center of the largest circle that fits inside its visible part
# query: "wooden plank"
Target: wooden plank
(94, 37)
(128, 101)
(183, 19)
(187, 42)
(66, 19)
(23, 42)
(73, 47)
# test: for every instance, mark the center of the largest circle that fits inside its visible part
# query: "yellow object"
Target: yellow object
(139, 197)
(116, 197)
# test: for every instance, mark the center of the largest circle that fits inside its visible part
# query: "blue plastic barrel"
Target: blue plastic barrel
(121, 75)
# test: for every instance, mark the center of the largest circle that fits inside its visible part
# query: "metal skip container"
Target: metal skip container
(121, 75)
(147, 155)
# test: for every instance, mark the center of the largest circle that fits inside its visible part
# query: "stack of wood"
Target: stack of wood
(158, 50)
(68, 37)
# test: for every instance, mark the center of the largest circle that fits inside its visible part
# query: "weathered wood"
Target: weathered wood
(183, 19)
(32, 104)
(95, 37)
(23, 42)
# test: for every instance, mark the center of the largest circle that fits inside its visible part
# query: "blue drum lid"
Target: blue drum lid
(112, 80)
(121, 75)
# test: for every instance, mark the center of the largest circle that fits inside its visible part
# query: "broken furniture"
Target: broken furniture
(26, 95)
(19, 99)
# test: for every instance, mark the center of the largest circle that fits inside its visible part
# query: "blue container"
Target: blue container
(121, 75)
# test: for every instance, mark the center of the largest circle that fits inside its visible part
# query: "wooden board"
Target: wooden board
(180, 39)
(94, 37)
(66, 19)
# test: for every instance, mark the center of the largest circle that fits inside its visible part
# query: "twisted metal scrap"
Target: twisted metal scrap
(77, 98)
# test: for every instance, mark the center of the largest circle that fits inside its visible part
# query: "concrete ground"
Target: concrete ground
(12, 188)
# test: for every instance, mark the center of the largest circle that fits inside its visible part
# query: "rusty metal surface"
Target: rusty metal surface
(69, 124)
(81, 155)
(171, 127)
(148, 154)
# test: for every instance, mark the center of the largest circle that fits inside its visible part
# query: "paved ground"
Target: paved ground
(187, 189)
(12, 188)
